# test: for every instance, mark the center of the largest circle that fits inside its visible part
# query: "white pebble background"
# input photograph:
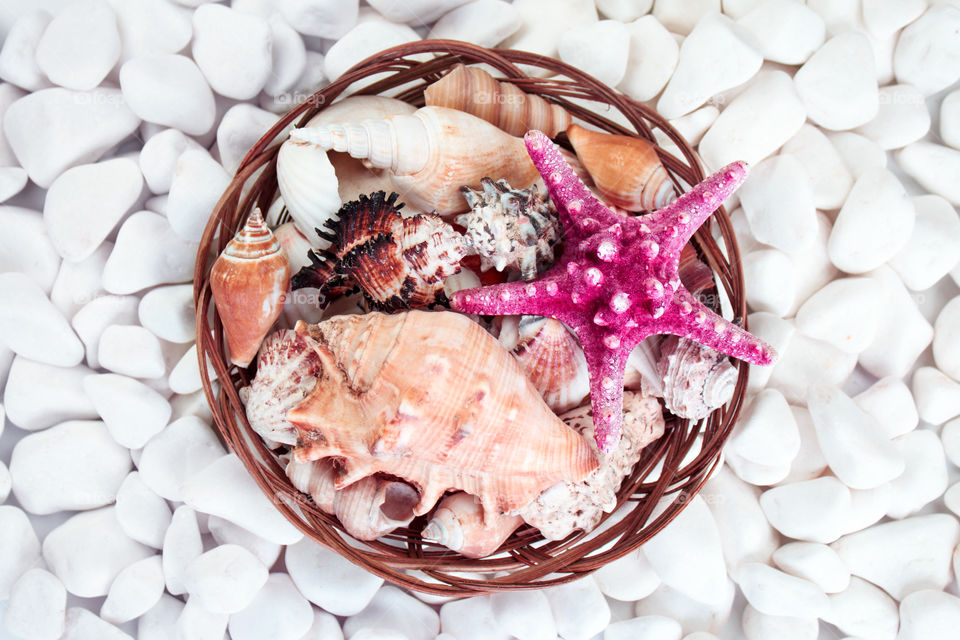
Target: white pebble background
(835, 513)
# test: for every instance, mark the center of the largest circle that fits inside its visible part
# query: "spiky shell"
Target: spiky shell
(433, 399)
(459, 525)
(696, 379)
(509, 228)
(396, 262)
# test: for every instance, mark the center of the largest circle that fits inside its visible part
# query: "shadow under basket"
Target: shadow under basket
(671, 471)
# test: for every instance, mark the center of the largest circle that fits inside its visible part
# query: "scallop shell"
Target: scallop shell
(626, 170)
(430, 154)
(431, 398)
(308, 184)
(513, 229)
(570, 506)
(696, 379)
(475, 91)
(396, 262)
(459, 525)
(249, 281)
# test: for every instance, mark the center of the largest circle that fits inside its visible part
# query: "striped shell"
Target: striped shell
(696, 379)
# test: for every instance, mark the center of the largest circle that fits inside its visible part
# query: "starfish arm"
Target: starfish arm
(606, 368)
(508, 298)
(689, 318)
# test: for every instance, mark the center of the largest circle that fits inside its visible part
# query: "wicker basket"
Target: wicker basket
(526, 560)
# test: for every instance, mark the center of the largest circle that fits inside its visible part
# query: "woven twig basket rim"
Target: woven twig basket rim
(528, 561)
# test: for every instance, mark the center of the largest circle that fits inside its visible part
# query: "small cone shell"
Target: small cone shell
(249, 282)
(459, 525)
(625, 170)
(475, 91)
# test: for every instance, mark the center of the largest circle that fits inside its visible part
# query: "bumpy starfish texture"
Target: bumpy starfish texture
(617, 281)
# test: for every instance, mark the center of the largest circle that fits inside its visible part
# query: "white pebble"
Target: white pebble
(778, 202)
(766, 432)
(768, 277)
(132, 411)
(198, 182)
(415, 12)
(18, 60)
(135, 591)
(8, 95)
(181, 545)
(278, 611)
(937, 396)
(195, 621)
(776, 332)
(6, 482)
(837, 84)
(168, 90)
(903, 117)
(486, 23)
(599, 49)
(760, 626)
(934, 166)
(949, 118)
(289, 57)
(52, 472)
(78, 283)
(624, 10)
(812, 268)
(891, 404)
(946, 341)
(225, 579)
(786, 32)
(809, 461)
(905, 555)
(142, 514)
(748, 129)
(12, 182)
(928, 52)
(89, 550)
(934, 244)
(526, 615)
(579, 609)
(225, 532)
(159, 156)
(812, 510)
(184, 448)
(867, 507)
(323, 18)
(693, 125)
(843, 313)
(132, 351)
(929, 615)
(241, 127)
(81, 624)
(32, 327)
(691, 614)
(362, 41)
(647, 627)
(232, 49)
(395, 610)
(807, 362)
(815, 562)
(100, 313)
(950, 435)
(627, 579)
(148, 252)
(469, 619)
(779, 594)
(744, 532)
(651, 60)
(39, 395)
(37, 606)
(683, 16)
(863, 610)
(159, 623)
(150, 27)
(19, 547)
(925, 476)
(329, 580)
(80, 45)
(168, 313)
(25, 246)
(903, 332)
(185, 375)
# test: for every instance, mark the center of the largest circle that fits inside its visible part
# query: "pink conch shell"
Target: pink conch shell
(475, 91)
(696, 379)
(249, 281)
(459, 525)
(625, 170)
(431, 398)
(430, 154)
(570, 506)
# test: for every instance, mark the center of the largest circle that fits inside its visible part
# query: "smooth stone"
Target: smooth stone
(929, 615)
(198, 182)
(486, 23)
(18, 56)
(946, 340)
(874, 224)
(903, 332)
(12, 182)
(860, 154)
(395, 610)
(181, 545)
(526, 615)
(807, 362)
(225, 579)
(776, 593)
(327, 627)
(37, 606)
(323, 18)
(142, 514)
(903, 117)
(278, 611)
(55, 129)
(39, 395)
(81, 624)
(78, 283)
(19, 547)
(937, 395)
(651, 60)
(693, 125)
(225, 532)
(933, 247)
(132, 411)
(80, 45)
(757, 473)
(838, 83)
(135, 591)
(6, 360)
(785, 31)
(158, 158)
(8, 95)
(232, 49)
(225, 489)
(934, 166)
(867, 507)
(745, 534)
(177, 453)
(89, 550)
(627, 579)
(760, 626)
(329, 580)
(416, 12)
(829, 179)
(185, 375)
(288, 57)
(844, 314)
(890, 402)
(691, 614)
(814, 562)
(700, 74)
(26, 247)
(168, 313)
(599, 49)
(310, 81)
(51, 469)
(887, 16)
(749, 128)
(768, 277)
(101, 312)
(950, 436)
(168, 90)
(863, 610)
(149, 27)
(766, 432)
(362, 41)
(579, 609)
(776, 332)
(925, 477)
(195, 621)
(544, 21)
(240, 128)
(949, 118)
(648, 627)
(6, 482)
(32, 327)
(809, 462)
(853, 443)
(148, 252)
(812, 510)
(683, 16)
(131, 351)
(160, 622)
(928, 51)
(471, 619)
(624, 10)
(778, 202)
(905, 555)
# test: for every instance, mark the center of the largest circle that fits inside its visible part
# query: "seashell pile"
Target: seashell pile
(400, 413)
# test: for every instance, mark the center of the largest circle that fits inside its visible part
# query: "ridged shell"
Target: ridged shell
(513, 229)
(459, 525)
(294, 244)
(477, 426)
(625, 170)
(430, 154)
(308, 184)
(356, 108)
(475, 91)
(696, 379)
(695, 274)
(642, 367)
(249, 281)
(571, 506)
(397, 262)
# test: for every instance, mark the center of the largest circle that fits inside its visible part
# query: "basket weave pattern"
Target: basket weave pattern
(525, 561)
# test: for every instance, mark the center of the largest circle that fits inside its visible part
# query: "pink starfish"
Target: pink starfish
(617, 281)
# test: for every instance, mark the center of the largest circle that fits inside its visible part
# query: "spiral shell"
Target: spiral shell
(308, 184)
(475, 91)
(459, 525)
(696, 379)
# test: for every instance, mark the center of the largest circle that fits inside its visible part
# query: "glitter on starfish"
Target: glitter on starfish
(617, 281)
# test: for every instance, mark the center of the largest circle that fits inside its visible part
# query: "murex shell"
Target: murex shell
(396, 262)
(696, 378)
(428, 397)
(511, 228)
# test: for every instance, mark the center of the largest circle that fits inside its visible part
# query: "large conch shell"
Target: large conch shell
(626, 170)
(249, 281)
(356, 108)
(431, 398)
(696, 378)
(430, 154)
(475, 91)
(458, 525)
(308, 184)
